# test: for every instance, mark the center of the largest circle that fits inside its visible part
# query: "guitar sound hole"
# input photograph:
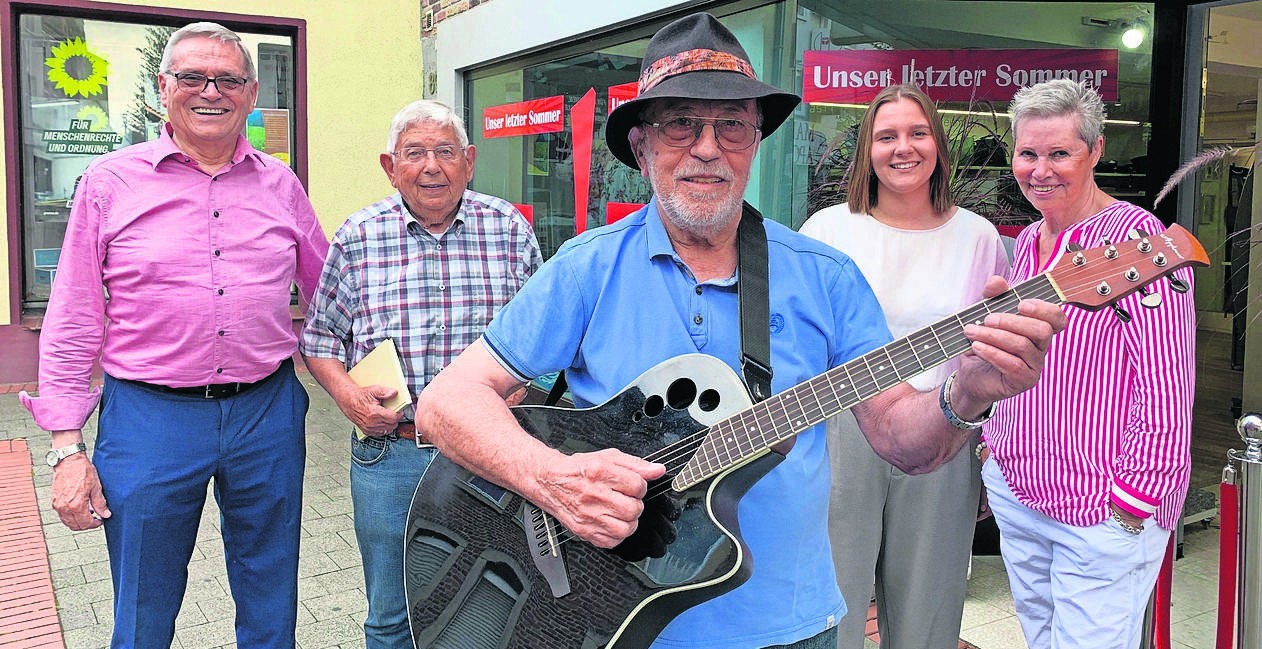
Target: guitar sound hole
(654, 405)
(709, 400)
(681, 393)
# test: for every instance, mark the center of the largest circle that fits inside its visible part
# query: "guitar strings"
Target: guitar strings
(1073, 283)
(676, 455)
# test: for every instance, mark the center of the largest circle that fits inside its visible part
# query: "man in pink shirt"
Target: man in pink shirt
(175, 274)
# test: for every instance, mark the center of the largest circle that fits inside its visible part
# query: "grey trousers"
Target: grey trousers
(909, 536)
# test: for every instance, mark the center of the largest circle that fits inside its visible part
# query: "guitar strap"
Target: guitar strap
(558, 389)
(753, 298)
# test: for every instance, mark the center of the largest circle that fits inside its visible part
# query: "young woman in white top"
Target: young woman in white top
(926, 259)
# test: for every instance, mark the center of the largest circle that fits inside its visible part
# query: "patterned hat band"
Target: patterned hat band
(692, 61)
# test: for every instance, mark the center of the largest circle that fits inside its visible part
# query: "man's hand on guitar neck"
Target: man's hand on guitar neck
(908, 428)
(1007, 353)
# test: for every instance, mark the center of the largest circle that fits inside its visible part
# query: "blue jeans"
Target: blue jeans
(384, 474)
(826, 639)
(155, 454)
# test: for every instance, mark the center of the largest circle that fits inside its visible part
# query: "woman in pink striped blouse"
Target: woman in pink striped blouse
(1088, 470)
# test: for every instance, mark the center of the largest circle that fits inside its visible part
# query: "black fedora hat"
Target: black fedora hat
(695, 57)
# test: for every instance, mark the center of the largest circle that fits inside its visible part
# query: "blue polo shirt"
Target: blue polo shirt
(617, 300)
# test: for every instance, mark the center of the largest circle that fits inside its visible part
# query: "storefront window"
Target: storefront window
(88, 87)
(1008, 44)
(537, 169)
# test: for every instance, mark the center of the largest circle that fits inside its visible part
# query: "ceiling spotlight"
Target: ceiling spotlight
(1133, 37)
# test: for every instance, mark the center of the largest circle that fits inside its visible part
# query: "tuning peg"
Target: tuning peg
(1149, 300)
(1135, 233)
(1106, 241)
(1073, 246)
(1178, 285)
(1121, 313)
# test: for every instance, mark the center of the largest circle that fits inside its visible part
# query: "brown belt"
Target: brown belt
(407, 430)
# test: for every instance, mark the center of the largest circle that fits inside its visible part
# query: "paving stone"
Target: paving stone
(211, 548)
(58, 560)
(61, 544)
(85, 594)
(76, 618)
(336, 523)
(323, 543)
(347, 558)
(211, 634)
(55, 530)
(70, 576)
(342, 603)
(304, 616)
(219, 608)
(97, 571)
(329, 633)
(341, 505)
(96, 636)
(310, 564)
(190, 615)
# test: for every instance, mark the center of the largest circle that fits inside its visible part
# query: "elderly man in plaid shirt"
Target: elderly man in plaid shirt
(427, 267)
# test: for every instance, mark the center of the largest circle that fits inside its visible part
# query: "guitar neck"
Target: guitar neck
(741, 437)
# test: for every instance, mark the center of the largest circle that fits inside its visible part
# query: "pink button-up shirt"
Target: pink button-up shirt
(1111, 417)
(173, 276)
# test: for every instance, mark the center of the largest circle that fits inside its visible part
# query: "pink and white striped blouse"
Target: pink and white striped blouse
(1111, 416)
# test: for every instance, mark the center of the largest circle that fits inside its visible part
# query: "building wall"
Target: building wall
(459, 41)
(362, 66)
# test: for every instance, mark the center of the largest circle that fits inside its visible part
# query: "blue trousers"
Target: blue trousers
(384, 474)
(156, 453)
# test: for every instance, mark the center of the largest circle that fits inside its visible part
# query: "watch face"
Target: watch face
(52, 458)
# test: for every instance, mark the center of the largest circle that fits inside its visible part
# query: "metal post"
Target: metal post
(1249, 553)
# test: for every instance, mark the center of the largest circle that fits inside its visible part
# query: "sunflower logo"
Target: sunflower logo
(100, 121)
(75, 70)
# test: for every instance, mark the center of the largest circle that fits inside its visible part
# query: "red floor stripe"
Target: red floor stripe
(26, 586)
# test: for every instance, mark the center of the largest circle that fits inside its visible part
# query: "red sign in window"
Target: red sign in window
(856, 76)
(524, 118)
(622, 93)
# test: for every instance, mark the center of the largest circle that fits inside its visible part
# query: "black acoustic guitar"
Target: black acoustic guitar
(486, 569)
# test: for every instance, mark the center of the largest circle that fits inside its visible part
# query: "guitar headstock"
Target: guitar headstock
(1097, 277)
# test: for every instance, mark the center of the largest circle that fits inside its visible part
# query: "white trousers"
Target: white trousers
(1074, 587)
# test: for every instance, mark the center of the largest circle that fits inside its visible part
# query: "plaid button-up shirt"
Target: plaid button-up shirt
(388, 277)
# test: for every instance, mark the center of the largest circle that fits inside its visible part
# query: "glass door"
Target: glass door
(1220, 206)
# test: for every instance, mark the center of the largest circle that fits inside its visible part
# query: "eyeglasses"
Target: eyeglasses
(414, 154)
(196, 83)
(732, 134)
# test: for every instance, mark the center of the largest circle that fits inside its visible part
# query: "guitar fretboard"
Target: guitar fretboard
(752, 431)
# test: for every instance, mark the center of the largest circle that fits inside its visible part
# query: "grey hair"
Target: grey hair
(207, 30)
(420, 112)
(1057, 98)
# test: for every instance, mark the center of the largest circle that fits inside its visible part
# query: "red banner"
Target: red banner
(582, 120)
(615, 211)
(856, 76)
(524, 118)
(622, 93)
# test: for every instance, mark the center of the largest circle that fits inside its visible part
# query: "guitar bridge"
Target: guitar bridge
(541, 537)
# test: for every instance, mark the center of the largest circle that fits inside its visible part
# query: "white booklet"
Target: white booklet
(382, 367)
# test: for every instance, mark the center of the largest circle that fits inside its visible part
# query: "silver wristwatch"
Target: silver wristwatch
(55, 456)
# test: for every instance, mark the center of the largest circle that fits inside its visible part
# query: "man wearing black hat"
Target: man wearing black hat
(660, 283)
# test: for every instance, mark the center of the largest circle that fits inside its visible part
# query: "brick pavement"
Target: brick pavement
(330, 581)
